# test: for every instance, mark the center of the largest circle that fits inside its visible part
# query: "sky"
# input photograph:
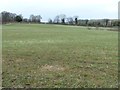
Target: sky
(85, 9)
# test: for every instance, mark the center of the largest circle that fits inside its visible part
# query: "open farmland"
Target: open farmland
(39, 55)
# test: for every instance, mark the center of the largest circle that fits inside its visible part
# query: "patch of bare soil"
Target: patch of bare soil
(52, 68)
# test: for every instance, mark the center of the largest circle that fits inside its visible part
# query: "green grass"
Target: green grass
(59, 56)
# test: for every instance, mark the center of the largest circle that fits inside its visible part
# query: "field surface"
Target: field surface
(36, 55)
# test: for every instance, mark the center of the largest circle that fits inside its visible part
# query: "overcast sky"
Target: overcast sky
(85, 9)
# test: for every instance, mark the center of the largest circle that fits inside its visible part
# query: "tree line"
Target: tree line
(62, 19)
(8, 17)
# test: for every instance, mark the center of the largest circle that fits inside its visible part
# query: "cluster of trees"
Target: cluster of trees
(8, 17)
(63, 19)
(35, 18)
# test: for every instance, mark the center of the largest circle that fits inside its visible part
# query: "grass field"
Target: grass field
(37, 55)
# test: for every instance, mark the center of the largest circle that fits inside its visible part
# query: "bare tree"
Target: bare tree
(106, 22)
(70, 20)
(38, 18)
(62, 17)
(76, 19)
(50, 20)
(57, 19)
